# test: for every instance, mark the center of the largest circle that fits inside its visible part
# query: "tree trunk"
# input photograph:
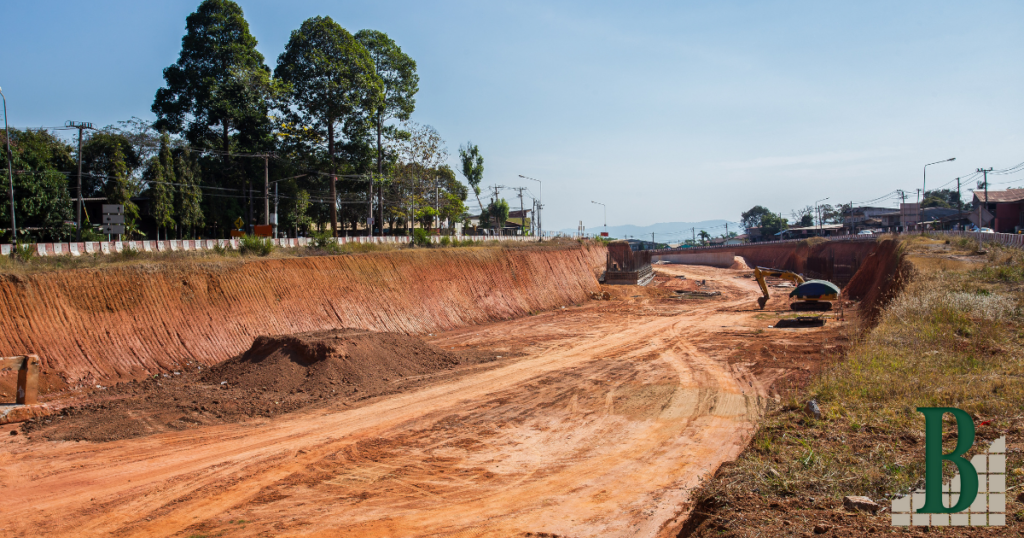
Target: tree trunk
(334, 193)
(380, 174)
(226, 139)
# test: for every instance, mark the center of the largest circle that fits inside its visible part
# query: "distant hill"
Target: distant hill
(667, 232)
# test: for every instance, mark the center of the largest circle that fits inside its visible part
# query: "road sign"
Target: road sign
(113, 219)
(239, 223)
(113, 209)
(112, 229)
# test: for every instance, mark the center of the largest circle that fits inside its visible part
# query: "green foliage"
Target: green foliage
(161, 173)
(23, 252)
(496, 213)
(331, 78)
(220, 250)
(397, 72)
(941, 198)
(299, 211)
(472, 168)
(128, 253)
(250, 245)
(325, 241)
(446, 241)
(420, 237)
(120, 190)
(190, 196)
(219, 84)
(42, 198)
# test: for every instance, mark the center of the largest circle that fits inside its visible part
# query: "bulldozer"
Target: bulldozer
(810, 294)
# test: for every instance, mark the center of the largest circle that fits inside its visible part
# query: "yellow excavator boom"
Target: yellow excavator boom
(761, 272)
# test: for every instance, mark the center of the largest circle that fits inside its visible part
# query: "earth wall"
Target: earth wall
(110, 324)
(835, 261)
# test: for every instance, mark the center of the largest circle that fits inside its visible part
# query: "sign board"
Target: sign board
(112, 229)
(239, 223)
(263, 230)
(237, 233)
(604, 234)
(113, 219)
(113, 209)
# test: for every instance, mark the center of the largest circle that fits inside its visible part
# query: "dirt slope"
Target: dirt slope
(105, 325)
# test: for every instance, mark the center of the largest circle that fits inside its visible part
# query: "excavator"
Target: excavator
(810, 294)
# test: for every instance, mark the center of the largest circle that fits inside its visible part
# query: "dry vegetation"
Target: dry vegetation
(952, 338)
(27, 263)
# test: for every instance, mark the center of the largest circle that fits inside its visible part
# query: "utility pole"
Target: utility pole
(984, 171)
(693, 232)
(959, 204)
(266, 189)
(522, 211)
(80, 125)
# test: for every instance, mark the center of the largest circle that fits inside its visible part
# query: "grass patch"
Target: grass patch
(952, 338)
(250, 245)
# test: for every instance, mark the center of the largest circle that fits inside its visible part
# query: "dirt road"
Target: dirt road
(607, 416)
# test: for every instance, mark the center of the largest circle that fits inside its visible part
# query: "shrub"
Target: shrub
(258, 246)
(446, 241)
(22, 252)
(219, 249)
(324, 241)
(420, 238)
(129, 253)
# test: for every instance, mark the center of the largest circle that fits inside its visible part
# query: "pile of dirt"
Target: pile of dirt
(880, 278)
(278, 374)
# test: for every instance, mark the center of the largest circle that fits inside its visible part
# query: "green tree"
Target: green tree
(98, 161)
(399, 82)
(760, 217)
(219, 85)
(190, 196)
(332, 79)
(161, 187)
(704, 237)
(497, 213)
(120, 189)
(41, 189)
(941, 198)
(299, 212)
(472, 168)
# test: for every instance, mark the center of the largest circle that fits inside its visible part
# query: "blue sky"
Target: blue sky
(675, 111)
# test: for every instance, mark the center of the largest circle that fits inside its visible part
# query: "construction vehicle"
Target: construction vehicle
(810, 294)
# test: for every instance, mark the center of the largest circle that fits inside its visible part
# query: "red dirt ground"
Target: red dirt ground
(601, 422)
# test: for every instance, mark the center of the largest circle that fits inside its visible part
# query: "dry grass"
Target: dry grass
(953, 338)
(35, 264)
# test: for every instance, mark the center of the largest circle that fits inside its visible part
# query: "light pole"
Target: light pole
(605, 216)
(10, 171)
(924, 173)
(540, 206)
(818, 213)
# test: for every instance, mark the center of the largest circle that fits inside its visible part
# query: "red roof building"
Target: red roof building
(1003, 211)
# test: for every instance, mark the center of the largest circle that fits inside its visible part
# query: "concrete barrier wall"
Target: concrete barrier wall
(111, 247)
(713, 259)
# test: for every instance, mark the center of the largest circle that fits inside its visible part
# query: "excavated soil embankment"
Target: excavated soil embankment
(108, 325)
(835, 261)
(278, 374)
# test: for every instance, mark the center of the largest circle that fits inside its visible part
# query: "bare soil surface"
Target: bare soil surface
(592, 420)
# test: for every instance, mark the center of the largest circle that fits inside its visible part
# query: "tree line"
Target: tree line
(330, 125)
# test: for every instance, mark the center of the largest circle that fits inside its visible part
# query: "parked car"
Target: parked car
(986, 231)
(865, 232)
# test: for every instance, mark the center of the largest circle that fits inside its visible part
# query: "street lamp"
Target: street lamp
(816, 212)
(924, 183)
(605, 216)
(540, 206)
(10, 172)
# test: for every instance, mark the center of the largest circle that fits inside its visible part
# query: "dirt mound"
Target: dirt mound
(320, 364)
(739, 263)
(278, 374)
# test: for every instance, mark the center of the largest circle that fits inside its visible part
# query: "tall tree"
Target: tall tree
(162, 187)
(190, 212)
(397, 72)
(41, 191)
(421, 156)
(218, 84)
(472, 168)
(120, 189)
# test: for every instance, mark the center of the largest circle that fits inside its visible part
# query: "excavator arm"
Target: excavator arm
(761, 272)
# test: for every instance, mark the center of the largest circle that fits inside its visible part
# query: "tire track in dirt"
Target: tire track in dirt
(527, 446)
